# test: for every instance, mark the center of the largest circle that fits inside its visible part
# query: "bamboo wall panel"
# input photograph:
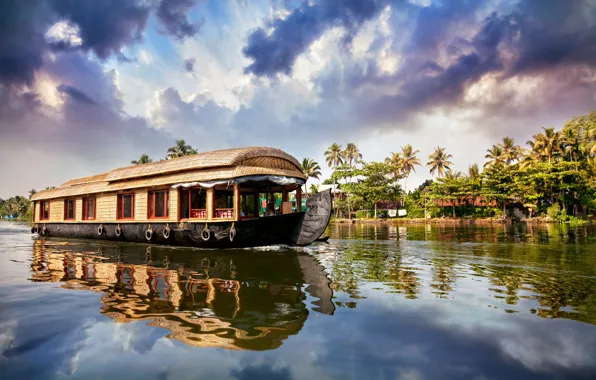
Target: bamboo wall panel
(173, 204)
(57, 210)
(79, 210)
(140, 205)
(106, 207)
(36, 212)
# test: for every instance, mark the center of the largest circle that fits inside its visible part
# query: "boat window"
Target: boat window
(44, 210)
(224, 204)
(126, 204)
(69, 209)
(88, 208)
(158, 204)
(248, 205)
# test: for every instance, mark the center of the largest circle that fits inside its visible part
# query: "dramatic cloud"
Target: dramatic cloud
(277, 52)
(172, 14)
(299, 75)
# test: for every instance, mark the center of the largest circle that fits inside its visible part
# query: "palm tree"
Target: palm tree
(334, 157)
(548, 143)
(32, 193)
(439, 161)
(408, 163)
(511, 152)
(494, 156)
(451, 175)
(180, 149)
(396, 165)
(352, 154)
(474, 172)
(144, 159)
(311, 169)
(314, 188)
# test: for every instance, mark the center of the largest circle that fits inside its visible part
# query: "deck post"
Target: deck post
(210, 203)
(299, 199)
(236, 201)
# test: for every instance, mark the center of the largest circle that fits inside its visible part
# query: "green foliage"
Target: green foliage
(363, 214)
(554, 211)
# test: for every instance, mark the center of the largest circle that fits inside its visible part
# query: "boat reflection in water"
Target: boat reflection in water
(228, 299)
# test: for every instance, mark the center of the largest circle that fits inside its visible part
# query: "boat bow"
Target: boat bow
(316, 219)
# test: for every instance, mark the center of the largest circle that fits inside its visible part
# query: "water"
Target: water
(378, 302)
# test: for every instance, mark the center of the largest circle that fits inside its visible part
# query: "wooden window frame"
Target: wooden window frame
(74, 209)
(151, 202)
(42, 215)
(86, 208)
(120, 206)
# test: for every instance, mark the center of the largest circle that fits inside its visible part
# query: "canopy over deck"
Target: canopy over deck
(219, 165)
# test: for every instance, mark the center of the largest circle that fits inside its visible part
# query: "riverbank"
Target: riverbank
(445, 220)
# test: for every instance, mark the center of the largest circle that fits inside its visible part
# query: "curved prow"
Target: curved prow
(315, 219)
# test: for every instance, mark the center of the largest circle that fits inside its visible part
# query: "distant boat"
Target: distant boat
(208, 200)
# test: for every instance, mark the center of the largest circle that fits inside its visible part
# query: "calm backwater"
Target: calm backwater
(377, 302)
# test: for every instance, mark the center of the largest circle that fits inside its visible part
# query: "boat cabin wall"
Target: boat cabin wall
(106, 208)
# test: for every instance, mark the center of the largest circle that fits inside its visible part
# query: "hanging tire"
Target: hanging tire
(118, 231)
(100, 230)
(206, 234)
(33, 230)
(166, 233)
(149, 234)
(44, 231)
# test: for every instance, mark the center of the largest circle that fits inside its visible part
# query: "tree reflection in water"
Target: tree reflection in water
(546, 270)
(225, 299)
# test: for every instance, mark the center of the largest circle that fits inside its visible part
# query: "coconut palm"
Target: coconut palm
(32, 192)
(144, 159)
(548, 143)
(451, 175)
(511, 151)
(311, 169)
(408, 163)
(314, 188)
(439, 161)
(180, 149)
(352, 154)
(396, 166)
(474, 172)
(334, 155)
(494, 156)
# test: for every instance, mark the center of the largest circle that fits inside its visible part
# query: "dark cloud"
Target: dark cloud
(277, 52)
(189, 65)
(105, 26)
(173, 16)
(75, 94)
(21, 39)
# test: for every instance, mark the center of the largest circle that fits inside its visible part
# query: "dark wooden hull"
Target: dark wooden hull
(290, 229)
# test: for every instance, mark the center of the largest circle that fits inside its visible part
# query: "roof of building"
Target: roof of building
(206, 166)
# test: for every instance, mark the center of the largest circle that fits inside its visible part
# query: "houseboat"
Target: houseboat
(207, 200)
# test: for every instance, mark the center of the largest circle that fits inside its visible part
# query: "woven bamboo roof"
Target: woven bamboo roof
(207, 166)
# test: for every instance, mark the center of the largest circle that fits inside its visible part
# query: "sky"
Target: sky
(86, 87)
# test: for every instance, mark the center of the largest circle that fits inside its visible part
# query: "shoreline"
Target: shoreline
(446, 220)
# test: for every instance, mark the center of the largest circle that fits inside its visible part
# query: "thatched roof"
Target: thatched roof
(214, 165)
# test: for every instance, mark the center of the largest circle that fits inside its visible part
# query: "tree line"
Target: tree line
(554, 174)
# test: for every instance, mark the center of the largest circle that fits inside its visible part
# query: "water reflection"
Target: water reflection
(550, 272)
(207, 299)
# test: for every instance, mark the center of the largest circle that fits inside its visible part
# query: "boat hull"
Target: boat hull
(298, 229)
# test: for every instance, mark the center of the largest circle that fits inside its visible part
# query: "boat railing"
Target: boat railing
(198, 213)
(224, 213)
